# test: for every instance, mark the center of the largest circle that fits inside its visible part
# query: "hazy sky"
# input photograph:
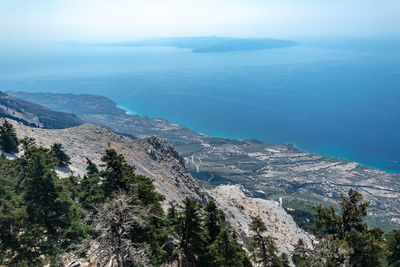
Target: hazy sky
(122, 20)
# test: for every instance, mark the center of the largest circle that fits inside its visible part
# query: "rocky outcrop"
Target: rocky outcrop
(164, 148)
(240, 208)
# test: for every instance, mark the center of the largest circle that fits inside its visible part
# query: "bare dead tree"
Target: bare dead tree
(113, 222)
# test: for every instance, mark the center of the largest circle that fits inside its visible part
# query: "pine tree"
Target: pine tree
(144, 189)
(227, 252)
(353, 212)
(45, 221)
(262, 247)
(8, 138)
(347, 232)
(13, 218)
(284, 260)
(214, 221)
(192, 237)
(393, 243)
(118, 175)
(368, 248)
(55, 220)
(91, 168)
(62, 158)
(90, 192)
(326, 222)
(173, 217)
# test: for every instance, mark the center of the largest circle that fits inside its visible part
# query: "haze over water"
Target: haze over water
(337, 97)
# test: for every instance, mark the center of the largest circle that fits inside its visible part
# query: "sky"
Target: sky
(125, 20)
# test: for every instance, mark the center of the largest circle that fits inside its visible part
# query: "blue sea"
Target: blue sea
(333, 97)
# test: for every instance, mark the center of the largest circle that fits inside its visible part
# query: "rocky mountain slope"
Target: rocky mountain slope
(158, 160)
(279, 172)
(241, 208)
(152, 157)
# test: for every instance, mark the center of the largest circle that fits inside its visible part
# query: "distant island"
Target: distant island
(205, 44)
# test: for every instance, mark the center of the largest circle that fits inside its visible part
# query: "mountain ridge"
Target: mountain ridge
(35, 115)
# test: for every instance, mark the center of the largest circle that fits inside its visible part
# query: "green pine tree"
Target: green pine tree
(227, 252)
(353, 213)
(214, 221)
(91, 168)
(346, 234)
(368, 248)
(118, 175)
(173, 217)
(192, 236)
(39, 220)
(262, 248)
(63, 160)
(8, 138)
(13, 218)
(55, 220)
(89, 190)
(393, 244)
(284, 260)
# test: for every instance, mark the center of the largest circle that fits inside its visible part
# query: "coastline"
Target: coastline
(333, 155)
(295, 145)
(127, 111)
(268, 171)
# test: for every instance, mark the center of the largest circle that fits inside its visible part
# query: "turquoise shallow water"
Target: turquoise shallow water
(127, 110)
(338, 99)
